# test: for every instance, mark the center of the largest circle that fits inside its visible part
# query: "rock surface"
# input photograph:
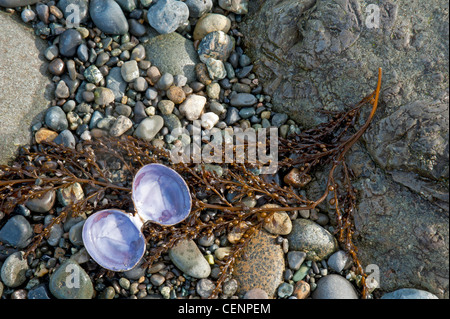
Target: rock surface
(408, 293)
(324, 54)
(25, 89)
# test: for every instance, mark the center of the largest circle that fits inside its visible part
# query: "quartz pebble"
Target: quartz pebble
(13, 270)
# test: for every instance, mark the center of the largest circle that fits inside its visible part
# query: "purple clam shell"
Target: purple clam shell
(161, 195)
(113, 240)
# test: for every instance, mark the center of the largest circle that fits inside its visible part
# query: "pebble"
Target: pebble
(176, 94)
(43, 203)
(28, 15)
(205, 288)
(295, 259)
(157, 280)
(66, 139)
(56, 67)
(301, 272)
(339, 261)
(256, 293)
(39, 292)
(137, 272)
(124, 283)
(120, 126)
(296, 179)
(243, 100)
(302, 290)
(263, 266)
(116, 83)
(193, 107)
(217, 45)
(229, 287)
(108, 16)
(75, 234)
(236, 6)
(209, 23)
(165, 81)
(188, 258)
(285, 290)
(166, 16)
(311, 238)
(166, 106)
(232, 116)
(70, 194)
(172, 122)
(70, 281)
(82, 6)
(198, 8)
(51, 52)
(56, 231)
(103, 96)
(45, 135)
(14, 269)
(279, 119)
(409, 293)
(334, 287)
(93, 75)
(62, 91)
(17, 232)
(140, 84)
(55, 119)
(69, 41)
(216, 69)
(149, 127)
(129, 71)
(209, 120)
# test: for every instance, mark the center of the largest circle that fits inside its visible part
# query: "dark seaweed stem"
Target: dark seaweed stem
(95, 165)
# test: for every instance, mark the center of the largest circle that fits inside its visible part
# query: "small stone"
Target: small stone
(285, 290)
(137, 29)
(202, 73)
(56, 67)
(296, 178)
(236, 6)
(28, 15)
(279, 223)
(66, 139)
(302, 290)
(165, 81)
(108, 16)
(279, 119)
(188, 258)
(116, 83)
(301, 273)
(216, 69)
(108, 293)
(198, 8)
(243, 100)
(232, 116)
(247, 112)
(172, 122)
(334, 287)
(205, 288)
(193, 107)
(339, 261)
(209, 23)
(14, 269)
(229, 287)
(16, 232)
(124, 283)
(176, 94)
(55, 119)
(39, 292)
(51, 52)
(311, 238)
(149, 127)
(43, 203)
(217, 45)
(222, 252)
(82, 6)
(130, 71)
(45, 135)
(103, 96)
(154, 74)
(166, 16)
(93, 75)
(69, 41)
(75, 232)
(140, 84)
(295, 259)
(209, 120)
(70, 194)
(62, 91)
(256, 293)
(213, 90)
(70, 281)
(179, 80)
(157, 280)
(409, 293)
(120, 126)
(56, 231)
(166, 107)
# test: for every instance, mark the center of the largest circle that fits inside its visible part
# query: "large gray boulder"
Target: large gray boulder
(25, 89)
(314, 54)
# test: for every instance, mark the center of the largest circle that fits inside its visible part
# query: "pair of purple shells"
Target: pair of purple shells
(114, 238)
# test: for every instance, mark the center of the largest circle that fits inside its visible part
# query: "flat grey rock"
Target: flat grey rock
(409, 293)
(25, 89)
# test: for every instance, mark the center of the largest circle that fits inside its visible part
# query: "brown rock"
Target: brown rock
(237, 232)
(202, 73)
(261, 265)
(56, 67)
(176, 94)
(153, 74)
(302, 289)
(296, 179)
(278, 223)
(45, 135)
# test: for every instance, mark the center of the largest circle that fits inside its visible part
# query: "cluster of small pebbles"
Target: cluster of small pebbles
(109, 80)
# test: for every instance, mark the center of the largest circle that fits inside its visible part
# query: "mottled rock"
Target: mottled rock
(188, 258)
(217, 45)
(311, 238)
(279, 223)
(13, 270)
(263, 266)
(166, 16)
(70, 281)
(236, 6)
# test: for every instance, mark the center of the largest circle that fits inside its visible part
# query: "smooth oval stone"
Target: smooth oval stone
(108, 16)
(193, 106)
(409, 293)
(209, 23)
(70, 281)
(69, 41)
(116, 83)
(149, 127)
(334, 287)
(311, 238)
(42, 204)
(16, 232)
(113, 240)
(174, 54)
(198, 8)
(243, 100)
(189, 259)
(168, 15)
(16, 3)
(262, 266)
(13, 270)
(161, 195)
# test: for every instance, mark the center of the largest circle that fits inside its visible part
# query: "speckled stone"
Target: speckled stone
(263, 266)
(409, 293)
(311, 238)
(63, 284)
(188, 258)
